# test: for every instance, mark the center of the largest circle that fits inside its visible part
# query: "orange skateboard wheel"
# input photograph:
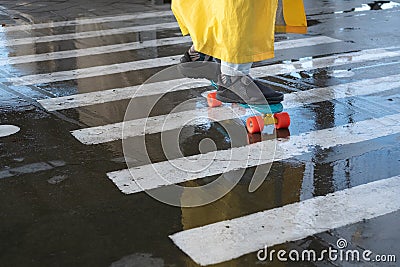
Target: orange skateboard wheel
(255, 124)
(212, 100)
(282, 120)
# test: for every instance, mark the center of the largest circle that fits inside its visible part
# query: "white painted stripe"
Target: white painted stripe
(94, 71)
(165, 173)
(352, 89)
(88, 34)
(95, 20)
(99, 97)
(317, 40)
(230, 239)
(323, 62)
(94, 50)
(145, 44)
(166, 61)
(307, 64)
(157, 124)
(112, 132)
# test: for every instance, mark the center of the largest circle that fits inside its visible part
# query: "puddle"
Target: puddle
(376, 5)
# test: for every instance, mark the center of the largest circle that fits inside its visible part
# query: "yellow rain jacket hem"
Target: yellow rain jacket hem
(228, 57)
(238, 31)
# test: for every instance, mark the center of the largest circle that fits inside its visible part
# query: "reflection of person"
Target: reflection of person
(238, 32)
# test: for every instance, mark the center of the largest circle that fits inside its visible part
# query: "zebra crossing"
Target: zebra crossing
(156, 124)
(93, 51)
(83, 21)
(156, 88)
(216, 243)
(136, 65)
(165, 173)
(226, 240)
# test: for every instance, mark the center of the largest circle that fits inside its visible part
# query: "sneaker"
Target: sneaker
(245, 90)
(272, 96)
(197, 65)
(193, 56)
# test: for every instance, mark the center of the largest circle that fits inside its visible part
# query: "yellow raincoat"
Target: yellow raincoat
(238, 31)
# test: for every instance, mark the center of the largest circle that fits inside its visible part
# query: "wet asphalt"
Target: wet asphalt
(59, 208)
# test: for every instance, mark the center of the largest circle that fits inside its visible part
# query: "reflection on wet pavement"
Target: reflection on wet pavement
(86, 73)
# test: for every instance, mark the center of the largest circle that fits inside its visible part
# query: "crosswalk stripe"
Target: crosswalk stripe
(94, 71)
(165, 173)
(337, 60)
(142, 45)
(94, 50)
(157, 124)
(230, 239)
(145, 64)
(352, 89)
(94, 20)
(88, 34)
(97, 97)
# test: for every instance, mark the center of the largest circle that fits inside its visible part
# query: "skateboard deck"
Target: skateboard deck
(255, 117)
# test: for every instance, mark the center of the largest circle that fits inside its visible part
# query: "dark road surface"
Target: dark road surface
(69, 72)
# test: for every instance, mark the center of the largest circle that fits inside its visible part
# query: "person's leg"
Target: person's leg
(232, 69)
(236, 85)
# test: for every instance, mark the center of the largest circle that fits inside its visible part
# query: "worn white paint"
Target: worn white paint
(287, 67)
(145, 44)
(83, 21)
(87, 34)
(217, 243)
(31, 168)
(171, 60)
(98, 97)
(156, 124)
(94, 71)
(161, 123)
(164, 173)
(94, 50)
(358, 88)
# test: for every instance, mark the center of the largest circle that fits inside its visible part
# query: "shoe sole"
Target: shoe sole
(270, 101)
(199, 70)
